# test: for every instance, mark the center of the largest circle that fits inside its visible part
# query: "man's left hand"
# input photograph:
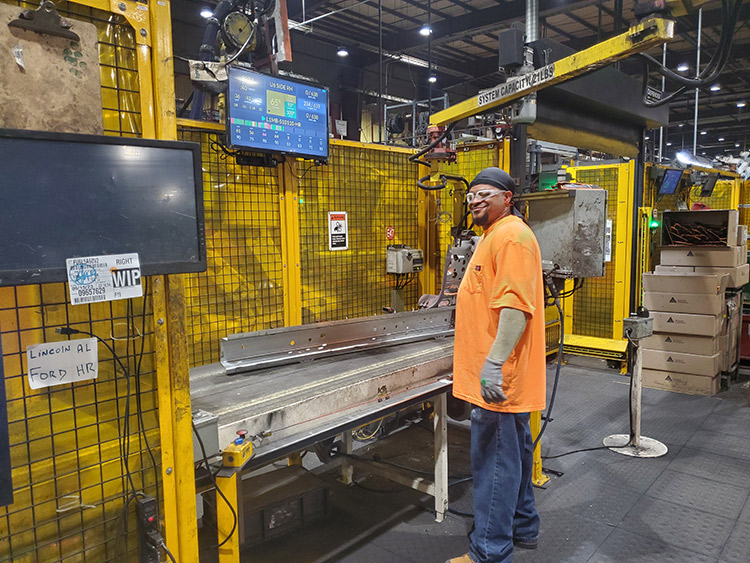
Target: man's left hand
(491, 378)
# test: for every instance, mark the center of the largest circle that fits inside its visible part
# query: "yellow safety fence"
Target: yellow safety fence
(77, 460)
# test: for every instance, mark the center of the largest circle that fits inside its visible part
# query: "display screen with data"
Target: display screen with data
(271, 114)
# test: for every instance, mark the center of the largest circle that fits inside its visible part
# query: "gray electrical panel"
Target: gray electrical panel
(571, 227)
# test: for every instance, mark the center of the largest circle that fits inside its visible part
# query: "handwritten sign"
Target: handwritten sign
(104, 278)
(58, 363)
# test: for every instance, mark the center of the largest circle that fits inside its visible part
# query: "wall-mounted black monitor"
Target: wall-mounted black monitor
(670, 182)
(708, 186)
(276, 115)
(66, 196)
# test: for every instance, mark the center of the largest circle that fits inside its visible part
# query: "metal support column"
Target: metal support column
(532, 20)
(537, 475)
(347, 469)
(290, 245)
(178, 472)
(697, 73)
(633, 444)
(622, 247)
(228, 481)
(441, 456)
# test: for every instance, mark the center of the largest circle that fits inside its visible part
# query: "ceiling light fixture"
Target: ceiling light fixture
(669, 143)
(342, 52)
(715, 88)
(721, 139)
(681, 125)
(432, 79)
(682, 67)
(425, 30)
(206, 13)
(703, 132)
(647, 137)
(737, 145)
(741, 104)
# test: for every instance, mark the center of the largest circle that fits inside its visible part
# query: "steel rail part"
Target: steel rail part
(242, 353)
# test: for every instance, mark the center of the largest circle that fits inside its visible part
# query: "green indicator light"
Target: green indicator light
(653, 224)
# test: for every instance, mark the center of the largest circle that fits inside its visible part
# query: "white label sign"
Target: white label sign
(104, 278)
(516, 85)
(340, 127)
(608, 241)
(58, 363)
(338, 230)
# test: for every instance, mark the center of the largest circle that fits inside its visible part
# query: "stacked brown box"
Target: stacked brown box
(684, 354)
(696, 319)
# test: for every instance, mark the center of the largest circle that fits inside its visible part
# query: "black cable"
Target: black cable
(218, 490)
(714, 68)
(582, 450)
(377, 459)
(548, 415)
(122, 518)
(138, 393)
(169, 553)
(382, 491)
(66, 330)
(416, 156)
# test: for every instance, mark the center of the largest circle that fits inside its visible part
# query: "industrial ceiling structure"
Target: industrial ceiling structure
(455, 43)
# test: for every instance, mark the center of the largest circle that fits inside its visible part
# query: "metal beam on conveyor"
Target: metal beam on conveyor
(638, 38)
(290, 407)
(286, 406)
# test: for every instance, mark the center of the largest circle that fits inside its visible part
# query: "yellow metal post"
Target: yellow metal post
(228, 516)
(290, 249)
(427, 238)
(638, 38)
(736, 193)
(537, 476)
(644, 246)
(623, 244)
(175, 416)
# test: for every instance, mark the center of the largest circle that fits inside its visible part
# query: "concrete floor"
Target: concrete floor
(691, 505)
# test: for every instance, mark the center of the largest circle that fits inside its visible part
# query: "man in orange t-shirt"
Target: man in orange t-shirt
(499, 367)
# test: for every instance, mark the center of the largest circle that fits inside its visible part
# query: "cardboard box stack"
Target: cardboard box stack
(694, 299)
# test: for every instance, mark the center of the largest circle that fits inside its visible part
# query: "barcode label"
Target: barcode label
(90, 299)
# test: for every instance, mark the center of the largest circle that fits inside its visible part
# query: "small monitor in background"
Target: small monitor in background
(708, 186)
(670, 182)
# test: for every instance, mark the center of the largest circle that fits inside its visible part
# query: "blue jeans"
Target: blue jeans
(501, 463)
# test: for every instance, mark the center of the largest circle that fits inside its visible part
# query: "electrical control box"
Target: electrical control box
(207, 425)
(401, 259)
(571, 227)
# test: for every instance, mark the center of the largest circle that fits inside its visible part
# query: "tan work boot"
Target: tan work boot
(461, 559)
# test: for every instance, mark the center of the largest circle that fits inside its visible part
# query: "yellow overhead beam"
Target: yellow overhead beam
(638, 38)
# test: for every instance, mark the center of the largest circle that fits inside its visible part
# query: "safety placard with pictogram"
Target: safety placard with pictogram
(338, 230)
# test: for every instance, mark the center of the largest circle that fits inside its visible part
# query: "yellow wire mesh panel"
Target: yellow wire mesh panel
(72, 499)
(721, 197)
(377, 188)
(470, 159)
(593, 304)
(744, 202)
(242, 289)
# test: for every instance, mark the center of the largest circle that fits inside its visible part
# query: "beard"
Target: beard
(482, 219)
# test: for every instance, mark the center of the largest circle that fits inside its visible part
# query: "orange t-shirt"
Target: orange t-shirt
(505, 271)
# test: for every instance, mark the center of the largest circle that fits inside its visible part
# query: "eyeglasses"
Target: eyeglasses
(481, 195)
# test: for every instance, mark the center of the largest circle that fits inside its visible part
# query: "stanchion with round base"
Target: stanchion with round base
(634, 444)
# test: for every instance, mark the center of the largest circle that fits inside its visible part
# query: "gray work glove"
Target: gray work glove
(491, 378)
